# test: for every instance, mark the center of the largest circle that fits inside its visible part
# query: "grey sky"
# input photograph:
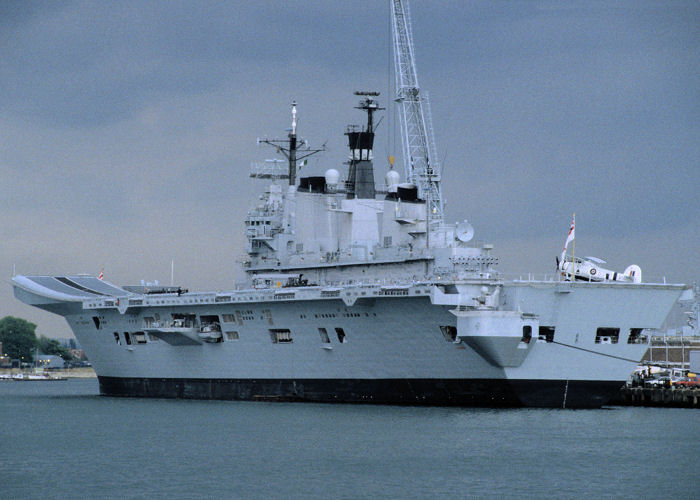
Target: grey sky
(127, 128)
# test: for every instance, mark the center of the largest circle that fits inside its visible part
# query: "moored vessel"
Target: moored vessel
(363, 293)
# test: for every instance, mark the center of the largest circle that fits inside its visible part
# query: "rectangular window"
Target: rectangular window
(546, 333)
(281, 336)
(211, 319)
(341, 335)
(636, 336)
(140, 337)
(228, 318)
(127, 338)
(449, 332)
(231, 335)
(387, 241)
(527, 334)
(284, 295)
(607, 335)
(324, 336)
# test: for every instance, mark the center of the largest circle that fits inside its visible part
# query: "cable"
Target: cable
(636, 362)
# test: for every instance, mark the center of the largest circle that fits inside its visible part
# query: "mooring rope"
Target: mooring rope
(635, 361)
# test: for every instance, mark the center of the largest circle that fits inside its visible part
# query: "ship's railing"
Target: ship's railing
(269, 169)
(674, 340)
(349, 257)
(531, 276)
(265, 231)
(557, 276)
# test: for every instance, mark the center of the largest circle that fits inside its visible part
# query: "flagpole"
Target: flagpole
(573, 252)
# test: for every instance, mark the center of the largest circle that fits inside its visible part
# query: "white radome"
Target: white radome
(392, 179)
(332, 177)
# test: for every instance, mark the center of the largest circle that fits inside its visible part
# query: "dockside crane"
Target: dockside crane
(419, 153)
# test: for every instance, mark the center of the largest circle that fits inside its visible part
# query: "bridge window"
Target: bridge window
(546, 333)
(127, 338)
(341, 335)
(606, 335)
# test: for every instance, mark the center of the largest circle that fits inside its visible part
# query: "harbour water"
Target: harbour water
(63, 440)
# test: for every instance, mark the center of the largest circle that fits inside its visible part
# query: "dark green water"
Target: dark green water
(63, 440)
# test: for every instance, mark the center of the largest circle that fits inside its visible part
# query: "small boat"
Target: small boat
(34, 377)
(210, 333)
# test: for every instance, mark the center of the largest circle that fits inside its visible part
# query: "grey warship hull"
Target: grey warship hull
(364, 294)
(361, 344)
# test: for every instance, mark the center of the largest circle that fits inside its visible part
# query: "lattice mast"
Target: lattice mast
(419, 153)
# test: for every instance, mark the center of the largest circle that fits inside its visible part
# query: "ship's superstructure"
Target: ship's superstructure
(348, 227)
(362, 293)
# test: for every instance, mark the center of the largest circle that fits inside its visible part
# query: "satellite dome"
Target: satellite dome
(392, 179)
(332, 177)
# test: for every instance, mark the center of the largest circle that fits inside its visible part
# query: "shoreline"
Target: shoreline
(83, 372)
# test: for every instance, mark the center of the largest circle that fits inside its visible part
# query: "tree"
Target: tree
(53, 346)
(18, 338)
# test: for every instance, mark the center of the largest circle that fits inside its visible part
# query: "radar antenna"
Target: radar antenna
(289, 147)
(419, 153)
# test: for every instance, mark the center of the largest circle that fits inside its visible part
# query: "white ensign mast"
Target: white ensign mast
(419, 153)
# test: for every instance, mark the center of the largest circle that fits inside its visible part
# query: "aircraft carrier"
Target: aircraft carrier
(364, 294)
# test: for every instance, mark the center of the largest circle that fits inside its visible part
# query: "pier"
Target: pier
(670, 397)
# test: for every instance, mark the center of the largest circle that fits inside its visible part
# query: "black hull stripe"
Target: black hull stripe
(435, 392)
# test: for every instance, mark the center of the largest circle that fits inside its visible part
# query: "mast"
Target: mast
(292, 136)
(290, 147)
(420, 157)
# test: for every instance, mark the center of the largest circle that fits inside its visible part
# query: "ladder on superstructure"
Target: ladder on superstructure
(419, 153)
